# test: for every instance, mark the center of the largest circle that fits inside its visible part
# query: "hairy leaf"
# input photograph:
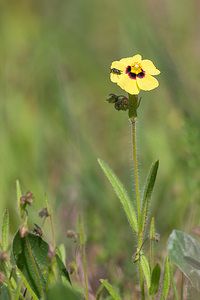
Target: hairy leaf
(166, 279)
(155, 279)
(121, 193)
(150, 181)
(146, 270)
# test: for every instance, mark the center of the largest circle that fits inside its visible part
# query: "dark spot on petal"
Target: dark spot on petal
(141, 75)
(128, 69)
(132, 75)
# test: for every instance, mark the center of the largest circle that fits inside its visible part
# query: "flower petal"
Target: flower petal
(131, 60)
(149, 67)
(129, 85)
(147, 83)
(119, 66)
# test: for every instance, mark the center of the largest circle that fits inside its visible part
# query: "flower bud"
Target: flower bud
(112, 98)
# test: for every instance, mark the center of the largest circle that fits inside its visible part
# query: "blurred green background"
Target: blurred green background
(54, 64)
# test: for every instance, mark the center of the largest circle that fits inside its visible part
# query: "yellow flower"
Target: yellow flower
(133, 74)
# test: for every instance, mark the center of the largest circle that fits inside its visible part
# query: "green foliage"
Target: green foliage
(121, 193)
(5, 231)
(166, 279)
(155, 279)
(110, 289)
(19, 195)
(146, 270)
(150, 181)
(173, 283)
(31, 254)
(61, 292)
(184, 252)
(5, 294)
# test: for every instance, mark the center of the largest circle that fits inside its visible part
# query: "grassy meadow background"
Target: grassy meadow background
(54, 76)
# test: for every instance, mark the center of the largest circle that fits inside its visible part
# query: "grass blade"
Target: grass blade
(121, 193)
(151, 178)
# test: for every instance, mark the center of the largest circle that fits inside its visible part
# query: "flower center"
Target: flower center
(135, 70)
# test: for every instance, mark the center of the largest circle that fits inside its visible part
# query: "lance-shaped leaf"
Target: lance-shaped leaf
(184, 251)
(151, 178)
(166, 279)
(146, 270)
(5, 231)
(110, 289)
(155, 279)
(19, 195)
(121, 193)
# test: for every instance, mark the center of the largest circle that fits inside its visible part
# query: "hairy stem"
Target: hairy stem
(136, 170)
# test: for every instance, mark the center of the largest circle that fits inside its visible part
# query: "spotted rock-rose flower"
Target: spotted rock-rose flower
(133, 74)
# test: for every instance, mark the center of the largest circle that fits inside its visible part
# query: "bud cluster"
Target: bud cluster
(26, 199)
(121, 102)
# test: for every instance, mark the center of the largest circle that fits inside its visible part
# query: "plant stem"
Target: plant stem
(133, 102)
(85, 271)
(136, 170)
(151, 254)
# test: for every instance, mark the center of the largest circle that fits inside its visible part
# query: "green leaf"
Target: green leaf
(152, 234)
(5, 231)
(59, 291)
(155, 279)
(18, 289)
(150, 181)
(173, 283)
(121, 193)
(110, 289)
(5, 294)
(31, 256)
(146, 270)
(99, 291)
(62, 269)
(29, 289)
(61, 253)
(193, 262)
(166, 279)
(19, 195)
(181, 245)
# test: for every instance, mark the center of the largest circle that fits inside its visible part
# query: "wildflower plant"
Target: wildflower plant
(133, 74)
